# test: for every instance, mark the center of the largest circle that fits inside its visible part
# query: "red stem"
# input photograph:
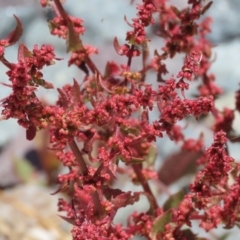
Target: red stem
(64, 15)
(145, 185)
(61, 10)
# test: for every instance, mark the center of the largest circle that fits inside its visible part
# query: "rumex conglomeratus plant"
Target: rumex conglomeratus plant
(104, 119)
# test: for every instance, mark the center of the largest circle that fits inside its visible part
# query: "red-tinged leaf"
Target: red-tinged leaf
(6, 84)
(6, 62)
(125, 199)
(145, 49)
(63, 99)
(128, 23)
(70, 220)
(15, 35)
(73, 41)
(160, 223)
(174, 200)
(205, 8)
(175, 10)
(156, 53)
(88, 144)
(84, 68)
(117, 47)
(75, 91)
(23, 52)
(189, 235)
(178, 165)
(111, 69)
(31, 132)
(102, 84)
(110, 193)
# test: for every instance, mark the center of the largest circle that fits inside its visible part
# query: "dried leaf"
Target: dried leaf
(15, 35)
(160, 223)
(73, 42)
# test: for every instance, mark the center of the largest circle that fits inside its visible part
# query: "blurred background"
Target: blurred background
(27, 170)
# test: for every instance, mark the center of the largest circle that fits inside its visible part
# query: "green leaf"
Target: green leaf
(174, 200)
(23, 170)
(73, 41)
(152, 155)
(160, 223)
(224, 236)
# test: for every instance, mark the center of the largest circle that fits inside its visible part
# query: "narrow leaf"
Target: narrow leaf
(160, 223)
(70, 220)
(128, 23)
(62, 188)
(73, 41)
(15, 35)
(117, 47)
(75, 91)
(175, 10)
(84, 68)
(205, 8)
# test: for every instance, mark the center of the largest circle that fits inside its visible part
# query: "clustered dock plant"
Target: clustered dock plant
(104, 119)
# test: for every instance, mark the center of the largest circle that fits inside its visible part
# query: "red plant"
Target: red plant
(103, 120)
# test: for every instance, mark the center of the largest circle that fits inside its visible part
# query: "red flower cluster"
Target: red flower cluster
(105, 120)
